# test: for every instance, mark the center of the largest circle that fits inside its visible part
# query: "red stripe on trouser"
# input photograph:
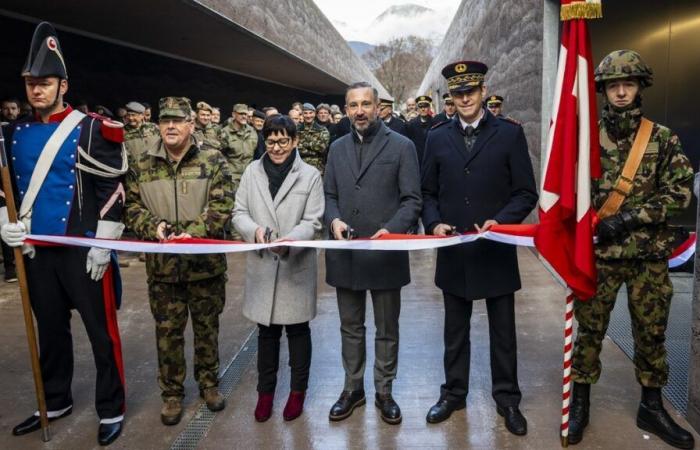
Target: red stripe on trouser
(112, 326)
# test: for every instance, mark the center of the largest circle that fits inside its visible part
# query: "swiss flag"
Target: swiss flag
(564, 236)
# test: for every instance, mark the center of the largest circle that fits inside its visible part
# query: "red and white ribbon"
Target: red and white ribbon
(521, 235)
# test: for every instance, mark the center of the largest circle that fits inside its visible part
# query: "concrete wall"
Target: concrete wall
(693, 413)
(299, 27)
(508, 37)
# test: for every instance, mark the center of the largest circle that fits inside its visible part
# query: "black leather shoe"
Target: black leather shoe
(652, 417)
(109, 432)
(580, 411)
(443, 409)
(33, 423)
(346, 404)
(391, 413)
(515, 421)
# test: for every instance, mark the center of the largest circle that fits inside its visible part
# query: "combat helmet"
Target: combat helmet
(623, 64)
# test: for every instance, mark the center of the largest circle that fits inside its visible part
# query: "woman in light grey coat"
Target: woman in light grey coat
(280, 197)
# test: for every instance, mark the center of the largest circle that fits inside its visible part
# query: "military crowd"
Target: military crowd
(262, 177)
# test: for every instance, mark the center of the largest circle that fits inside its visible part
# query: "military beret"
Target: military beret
(423, 99)
(386, 102)
(174, 107)
(259, 114)
(464, 75)
(241, 108)
(135, 107)
(308, 107)
(203, 106)
(494, 100)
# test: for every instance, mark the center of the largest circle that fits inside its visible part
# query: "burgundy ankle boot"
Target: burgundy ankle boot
(294, 406)
(263, 410)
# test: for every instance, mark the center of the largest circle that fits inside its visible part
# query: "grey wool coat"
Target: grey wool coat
(384, 192)
(280, 289)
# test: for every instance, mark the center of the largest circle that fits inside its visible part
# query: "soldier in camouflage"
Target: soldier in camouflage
(313, 139)
(216, 120)
(138, 134)
(177, 190)
(238, 142)
(632, 247)
(204, 130)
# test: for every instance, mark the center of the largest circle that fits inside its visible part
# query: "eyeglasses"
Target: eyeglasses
(282, 142)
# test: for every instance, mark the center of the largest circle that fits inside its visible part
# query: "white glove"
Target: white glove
(98, 258)
(13, 233)
(97, 262)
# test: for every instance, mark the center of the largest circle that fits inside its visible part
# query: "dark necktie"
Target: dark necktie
(470, 134)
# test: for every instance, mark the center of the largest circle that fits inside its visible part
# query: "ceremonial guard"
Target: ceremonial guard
(178, 190)
(477, 173)
(419, 126)
(646, 179)
(448, 111)
(313, 139)
(386, 113)
(67, 170)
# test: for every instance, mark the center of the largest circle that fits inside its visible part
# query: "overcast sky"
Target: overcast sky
(354, 19)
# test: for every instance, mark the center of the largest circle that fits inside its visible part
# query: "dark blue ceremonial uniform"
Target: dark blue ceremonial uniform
(465, 186)
(70, 202)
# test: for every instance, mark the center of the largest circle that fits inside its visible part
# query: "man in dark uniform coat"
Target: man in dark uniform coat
(477, 173)
(386, 113)
(81, 195)
(371, 185)
(495, 105)
(418, 127)
(448, 111)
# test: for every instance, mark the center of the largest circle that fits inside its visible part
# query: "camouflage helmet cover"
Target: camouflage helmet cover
(623, 64)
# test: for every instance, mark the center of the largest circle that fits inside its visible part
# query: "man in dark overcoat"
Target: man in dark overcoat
(477, 173)
(372, 186)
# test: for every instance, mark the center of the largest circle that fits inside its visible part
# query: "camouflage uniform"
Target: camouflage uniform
(239, 148)
(138, 140)
(313, 145)
(200, 206)
(208, 136)
(638, 258)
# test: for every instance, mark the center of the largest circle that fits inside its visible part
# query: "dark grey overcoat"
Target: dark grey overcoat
(383, 193)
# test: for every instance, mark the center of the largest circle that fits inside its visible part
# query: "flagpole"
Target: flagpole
(566, 384)
(24, 294)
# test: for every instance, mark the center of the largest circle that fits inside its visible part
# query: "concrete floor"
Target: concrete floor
(539, 306)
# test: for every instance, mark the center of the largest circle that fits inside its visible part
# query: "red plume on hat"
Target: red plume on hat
(45, 57)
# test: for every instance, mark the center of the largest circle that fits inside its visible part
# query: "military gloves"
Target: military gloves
(616, 226)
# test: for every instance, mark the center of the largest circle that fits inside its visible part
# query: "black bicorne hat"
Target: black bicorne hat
(45, 57)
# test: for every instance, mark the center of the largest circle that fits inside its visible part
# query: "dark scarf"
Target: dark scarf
(622, 123)
(276, 173)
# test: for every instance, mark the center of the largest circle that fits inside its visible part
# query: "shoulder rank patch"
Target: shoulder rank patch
(511, 120)
(439, 124)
